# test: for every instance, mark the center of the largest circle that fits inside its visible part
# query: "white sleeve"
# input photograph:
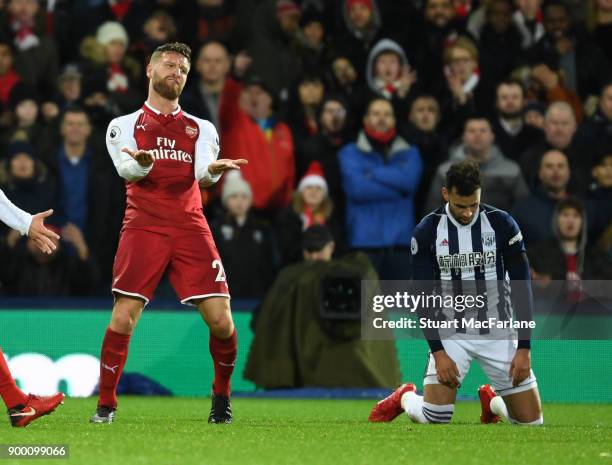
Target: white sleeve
(13, 216)
(120, 134)
(206, 151)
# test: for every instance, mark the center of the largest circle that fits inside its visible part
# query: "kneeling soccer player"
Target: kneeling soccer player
(462, 244)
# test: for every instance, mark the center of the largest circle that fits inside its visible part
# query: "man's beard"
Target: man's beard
(166, 90)
(510, 114)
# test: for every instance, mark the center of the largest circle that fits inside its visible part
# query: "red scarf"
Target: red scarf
(7, 82)
(115, 71)
(120, 9)
(380, 136)
(309, 217)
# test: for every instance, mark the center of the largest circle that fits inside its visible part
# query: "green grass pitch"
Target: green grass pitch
(174, 431)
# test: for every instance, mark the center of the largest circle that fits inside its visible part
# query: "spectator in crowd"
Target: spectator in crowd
(422, 129)
(596, 132)
(548, 86)
(27, 125)
(131, 14)
(512, 135)
(69, 87)
(314, 49)
(534, 213)
(389, 75)
(275, 62)
(8, 79)
(559, 131)
(567, 255)
(599, 198)
(206, 21)
(500, 46)
(440, 28)
(528, 20)
(244, 242)
(346, 81)
(26, 180)
(36, 60)
(563, 47)
(158, 29)
(250, 129)
(599, 24)
(323, 148)
(111, 76)
(303, 116)
(90, 195)
(28, 272)
(463, 94)
(203, 96)
(381, 174)
(361, 28)
(311, 205)
(503, 183)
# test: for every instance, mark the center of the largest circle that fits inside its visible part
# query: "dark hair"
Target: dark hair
(74, 109)
(175, 47)
(510, 82)
(464, 176)
(477, 117)
(378, 99)
(571, 202)
(603, 153)
(556, 3)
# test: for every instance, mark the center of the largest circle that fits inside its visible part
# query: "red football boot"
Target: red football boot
(391, 406)
(36, 407)
(486, 393)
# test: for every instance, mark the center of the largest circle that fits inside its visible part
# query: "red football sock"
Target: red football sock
(223, 353)
(9, 391)
(112, 360)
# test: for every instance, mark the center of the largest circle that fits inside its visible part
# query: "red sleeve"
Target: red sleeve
(290, 185)
(229, 108)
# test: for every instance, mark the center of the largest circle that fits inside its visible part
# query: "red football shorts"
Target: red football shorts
(192, 260)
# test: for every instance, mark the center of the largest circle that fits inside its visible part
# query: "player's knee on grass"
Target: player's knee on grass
(524, 407)
(126, 313)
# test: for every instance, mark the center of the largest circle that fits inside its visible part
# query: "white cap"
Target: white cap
(112, 30)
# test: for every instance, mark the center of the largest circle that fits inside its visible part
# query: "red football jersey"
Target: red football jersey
(167, 193)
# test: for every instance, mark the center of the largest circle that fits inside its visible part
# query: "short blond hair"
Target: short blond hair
(173, 47)
(462, 42)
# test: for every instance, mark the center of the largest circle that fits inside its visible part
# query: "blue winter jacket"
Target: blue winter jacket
(379, 193)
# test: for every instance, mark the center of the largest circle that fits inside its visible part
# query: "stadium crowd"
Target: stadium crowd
(350, 112)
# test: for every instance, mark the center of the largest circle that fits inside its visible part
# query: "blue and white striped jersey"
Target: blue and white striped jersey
(468, 259)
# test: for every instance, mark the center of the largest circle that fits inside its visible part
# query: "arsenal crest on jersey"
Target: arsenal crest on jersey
(191, 131)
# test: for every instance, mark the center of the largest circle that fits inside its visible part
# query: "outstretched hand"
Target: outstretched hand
(41, 235)
(225, 164)
(144, 158)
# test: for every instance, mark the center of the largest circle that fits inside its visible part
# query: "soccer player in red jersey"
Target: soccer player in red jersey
(23, 409)
(165, 155)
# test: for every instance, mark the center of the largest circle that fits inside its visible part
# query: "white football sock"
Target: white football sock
(498, 407)
(412, 404)
(420, 411)
(438, 413)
